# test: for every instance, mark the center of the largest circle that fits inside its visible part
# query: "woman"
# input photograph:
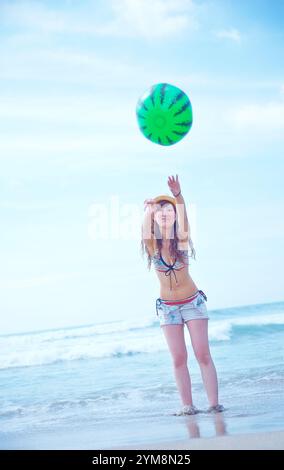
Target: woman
(165, 238)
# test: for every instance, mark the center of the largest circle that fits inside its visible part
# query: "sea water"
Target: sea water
(112, 384)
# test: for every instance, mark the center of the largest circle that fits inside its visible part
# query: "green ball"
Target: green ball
(164, 114)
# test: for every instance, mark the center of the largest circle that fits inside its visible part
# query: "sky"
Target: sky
(72, 155)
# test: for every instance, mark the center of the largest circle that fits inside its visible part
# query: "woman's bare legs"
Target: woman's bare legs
(198, 330)
(174, 335)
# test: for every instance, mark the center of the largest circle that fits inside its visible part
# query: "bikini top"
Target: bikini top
(162, 266)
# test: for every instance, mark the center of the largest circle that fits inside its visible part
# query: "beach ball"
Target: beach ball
(164, 114)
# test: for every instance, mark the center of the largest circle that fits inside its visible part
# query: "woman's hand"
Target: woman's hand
(174, 185)
(151, 204)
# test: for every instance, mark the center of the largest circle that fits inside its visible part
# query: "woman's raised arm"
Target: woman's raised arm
(183, 228)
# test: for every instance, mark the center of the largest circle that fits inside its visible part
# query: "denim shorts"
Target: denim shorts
(177, 312)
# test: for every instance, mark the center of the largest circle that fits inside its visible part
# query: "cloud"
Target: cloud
(232, 34)
(151, 18)
(34, 15)
(268, 117)
(62, 65)
(128, 18)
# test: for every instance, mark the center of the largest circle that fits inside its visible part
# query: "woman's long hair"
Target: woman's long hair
(156, 239)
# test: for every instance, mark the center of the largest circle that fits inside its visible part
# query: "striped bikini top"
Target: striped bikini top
(162, 266)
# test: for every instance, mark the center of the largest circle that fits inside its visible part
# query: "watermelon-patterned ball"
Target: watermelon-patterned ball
(164, 114)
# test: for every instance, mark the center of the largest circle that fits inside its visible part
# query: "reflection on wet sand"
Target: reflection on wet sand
(192, 425)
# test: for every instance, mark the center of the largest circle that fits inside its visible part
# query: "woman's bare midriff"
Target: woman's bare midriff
(185, 287)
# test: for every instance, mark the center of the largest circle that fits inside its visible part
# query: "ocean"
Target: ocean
(112, 384)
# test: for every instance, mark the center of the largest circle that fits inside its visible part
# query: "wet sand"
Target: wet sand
(252, 441)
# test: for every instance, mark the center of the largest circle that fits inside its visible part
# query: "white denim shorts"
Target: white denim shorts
(177, 312)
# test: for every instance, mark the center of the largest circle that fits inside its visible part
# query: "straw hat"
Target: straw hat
(165, 198)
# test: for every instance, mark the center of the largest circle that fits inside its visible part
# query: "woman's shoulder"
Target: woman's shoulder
(183, 252)
(183, 245)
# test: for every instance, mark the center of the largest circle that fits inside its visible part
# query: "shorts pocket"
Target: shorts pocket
(202, 308)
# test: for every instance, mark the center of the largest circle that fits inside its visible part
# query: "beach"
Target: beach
(88, 439)
(253, 441)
